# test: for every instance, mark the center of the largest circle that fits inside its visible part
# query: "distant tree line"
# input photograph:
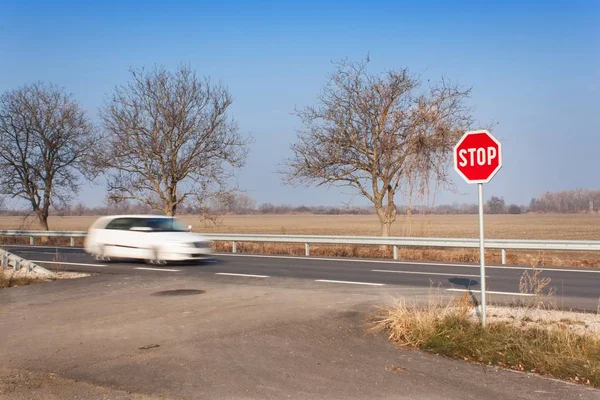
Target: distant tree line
(567, 201)
(239, 203)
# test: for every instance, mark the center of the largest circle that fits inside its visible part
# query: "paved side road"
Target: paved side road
(573, 288)
(184, 337)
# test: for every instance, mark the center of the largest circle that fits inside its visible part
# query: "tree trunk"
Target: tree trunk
(387, 216)
(408, 226)
(44, 222)
(170, 210)
(43, 219)
(385, 232)
(386, 228)
(171, 207)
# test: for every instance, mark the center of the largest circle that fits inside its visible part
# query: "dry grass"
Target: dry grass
(449, 328)
(533, 283)
(528, 226)
(8, 279)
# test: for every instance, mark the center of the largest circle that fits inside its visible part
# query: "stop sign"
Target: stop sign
(477, 156)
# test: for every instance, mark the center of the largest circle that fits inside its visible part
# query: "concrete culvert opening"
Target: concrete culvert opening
(179, 292)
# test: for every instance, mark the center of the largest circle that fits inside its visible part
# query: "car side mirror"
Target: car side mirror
(189, 228)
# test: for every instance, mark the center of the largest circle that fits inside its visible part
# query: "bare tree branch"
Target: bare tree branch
(378, 133)
(170, 139)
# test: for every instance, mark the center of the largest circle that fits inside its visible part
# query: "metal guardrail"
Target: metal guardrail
(396, 242)
(8, 260)
(33, 234)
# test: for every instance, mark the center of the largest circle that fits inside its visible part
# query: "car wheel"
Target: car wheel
(156, 259)
(101, 255)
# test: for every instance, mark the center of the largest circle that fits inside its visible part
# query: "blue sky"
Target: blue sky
(534, 68)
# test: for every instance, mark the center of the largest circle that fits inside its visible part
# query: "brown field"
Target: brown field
(528, 226)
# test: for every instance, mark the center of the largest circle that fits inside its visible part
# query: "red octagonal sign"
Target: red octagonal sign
(478, 156)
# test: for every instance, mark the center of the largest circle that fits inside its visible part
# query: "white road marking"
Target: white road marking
(423, 273)
(43, 247)
(350, 283)
(430, 264)
(67, 263)
(491, 292)
(158, 269)
(246, 275)
(40, 252)
(544, 269)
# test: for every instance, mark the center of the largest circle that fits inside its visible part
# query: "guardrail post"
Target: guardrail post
(503, 256)
(72, 241)
(31, 240)
(234, 247)
(307, 249)
(17, 265)
(4, 260)
(395, 252)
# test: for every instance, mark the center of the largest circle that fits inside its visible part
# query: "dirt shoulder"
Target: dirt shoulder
(32, 385)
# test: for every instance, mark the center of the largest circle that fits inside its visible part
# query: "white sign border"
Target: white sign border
(464, 136)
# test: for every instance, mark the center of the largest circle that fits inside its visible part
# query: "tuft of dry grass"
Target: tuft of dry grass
(537, 286)
(533, 283)
(58, 262)
(450, 329)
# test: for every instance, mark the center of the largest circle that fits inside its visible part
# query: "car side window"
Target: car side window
(122, 224)
(138, 223)
(156, 224)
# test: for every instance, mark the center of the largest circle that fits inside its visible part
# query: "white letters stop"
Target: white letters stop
(477, 156)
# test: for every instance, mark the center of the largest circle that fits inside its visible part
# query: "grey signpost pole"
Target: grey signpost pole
(481, 255)
(477, 158)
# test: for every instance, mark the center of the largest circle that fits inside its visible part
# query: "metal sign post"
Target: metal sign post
(481, 256)
(477, 158)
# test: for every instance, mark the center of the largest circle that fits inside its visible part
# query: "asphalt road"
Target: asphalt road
(574, 288)
(185, 335)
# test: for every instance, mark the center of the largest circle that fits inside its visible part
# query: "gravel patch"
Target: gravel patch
(578, 322)
(36, 277)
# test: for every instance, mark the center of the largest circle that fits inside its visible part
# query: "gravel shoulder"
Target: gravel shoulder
(579, 322)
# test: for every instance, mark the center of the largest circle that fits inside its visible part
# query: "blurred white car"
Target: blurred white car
(156, 239)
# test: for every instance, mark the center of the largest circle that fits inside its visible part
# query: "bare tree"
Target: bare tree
(170, 139)
(567, 201)
(496, 205)
(45, 141)
(232, 202)
(378, 133)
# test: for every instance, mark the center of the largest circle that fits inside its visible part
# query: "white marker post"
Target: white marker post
(477, 158)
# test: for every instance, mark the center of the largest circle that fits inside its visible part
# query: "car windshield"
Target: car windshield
(164, 225)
